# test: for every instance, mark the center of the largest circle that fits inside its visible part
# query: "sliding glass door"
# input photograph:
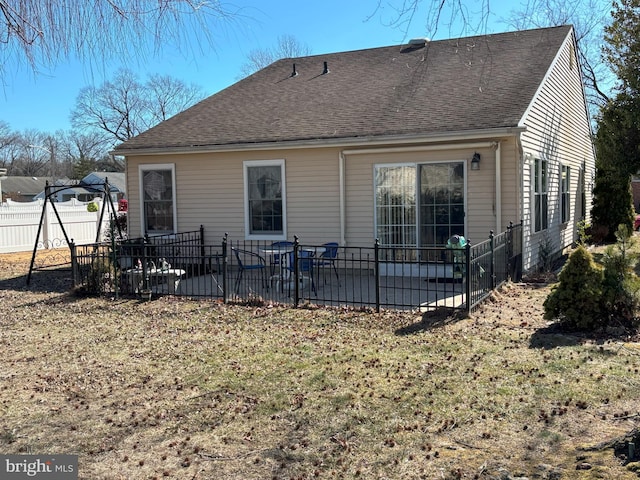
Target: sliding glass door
(441, 203)
(419, 205)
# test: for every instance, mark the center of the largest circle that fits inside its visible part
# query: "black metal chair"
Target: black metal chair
(249, 261)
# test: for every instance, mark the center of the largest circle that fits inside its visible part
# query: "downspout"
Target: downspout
(520, 195)
(498, 187)
(343, 213)
(520, 198)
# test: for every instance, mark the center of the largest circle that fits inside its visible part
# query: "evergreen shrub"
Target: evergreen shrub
(576, 300)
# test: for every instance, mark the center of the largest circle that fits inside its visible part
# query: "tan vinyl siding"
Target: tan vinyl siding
(510, 179)
(480, 194)
(313, 195)
(210, 192)
(558, 129)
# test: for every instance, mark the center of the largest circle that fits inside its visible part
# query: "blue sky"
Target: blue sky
(44, 101)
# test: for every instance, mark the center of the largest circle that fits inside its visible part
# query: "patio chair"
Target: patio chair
(250, 261)
(328, 259)
(275, 259)
(305, 265)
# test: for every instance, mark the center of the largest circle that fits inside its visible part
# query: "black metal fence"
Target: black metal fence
(494, 262)
(298, 273)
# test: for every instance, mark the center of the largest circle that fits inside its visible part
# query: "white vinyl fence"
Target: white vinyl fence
(19, 222)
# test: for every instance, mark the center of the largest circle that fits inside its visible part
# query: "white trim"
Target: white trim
(533, 177)
(146, 167)
(247, 227)
(416, 166)
(561, 193)
(420, 148)
(369, 142)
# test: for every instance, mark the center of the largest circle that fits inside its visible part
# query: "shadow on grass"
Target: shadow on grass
(431, 320)
(56, 282)
(554, 337)
(42, 281)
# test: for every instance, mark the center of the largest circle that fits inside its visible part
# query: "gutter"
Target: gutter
(520, 196)
(423, 148)
(344, 143)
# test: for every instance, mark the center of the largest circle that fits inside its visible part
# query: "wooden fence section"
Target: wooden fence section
(19, 222)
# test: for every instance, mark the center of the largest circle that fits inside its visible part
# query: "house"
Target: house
(90, 187)
(23, 189)
(408, 144)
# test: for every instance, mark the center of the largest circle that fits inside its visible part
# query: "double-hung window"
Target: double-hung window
(540, 195)
(565, 195)
(157, 194)
(265, 200)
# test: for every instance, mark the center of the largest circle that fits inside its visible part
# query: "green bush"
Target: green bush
(576, 300)
(589, 297)
(621, 286)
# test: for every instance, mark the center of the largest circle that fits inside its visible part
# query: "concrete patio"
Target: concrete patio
(353, 288)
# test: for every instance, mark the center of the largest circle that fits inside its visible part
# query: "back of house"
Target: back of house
(408, 144)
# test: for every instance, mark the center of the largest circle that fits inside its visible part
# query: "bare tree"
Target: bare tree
(117, 107)
(125, 107)
(42, 33)
(83, 153)
(456, 17)
(79, 146)
(167, 96)
(32, 154)
(588, 18)
(287, 47)
(7, 140)
(466, 17)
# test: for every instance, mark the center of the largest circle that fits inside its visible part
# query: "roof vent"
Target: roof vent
(326, 69)
(294, 73)
(418, 42)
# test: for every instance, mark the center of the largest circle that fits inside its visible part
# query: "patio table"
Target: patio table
(283, 252)
(282, 276)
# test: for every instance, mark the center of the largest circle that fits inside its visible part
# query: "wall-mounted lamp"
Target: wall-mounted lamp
(475, 161)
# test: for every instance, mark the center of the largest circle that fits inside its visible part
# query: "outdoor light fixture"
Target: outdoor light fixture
(475, 161)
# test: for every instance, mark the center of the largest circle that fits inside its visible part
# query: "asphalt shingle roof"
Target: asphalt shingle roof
(445, 86)
(25, 186)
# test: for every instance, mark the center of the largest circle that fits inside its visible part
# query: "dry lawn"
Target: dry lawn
(198, 390)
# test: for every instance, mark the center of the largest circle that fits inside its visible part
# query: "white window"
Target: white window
(265, 200)
(565, 195)
(158, 201)
(540, 195)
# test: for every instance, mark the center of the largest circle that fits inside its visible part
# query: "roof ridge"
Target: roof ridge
(430, 41)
